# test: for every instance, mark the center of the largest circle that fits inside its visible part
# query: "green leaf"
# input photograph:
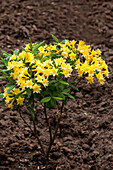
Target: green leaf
(56, 39)
(69, 95)
(37, 46)
(2, 59)
(58, 98)
(1, 95)
(3, 101)
(11, 80)
(52, 81)
(8, 84)
(63, 82)
(59, 76)
(10, 88)
(72, 82)
(63, 42)
(3, 71)
(45, 99)
(49, 105)
(61, 87)
(73, 87)
(3, 77)
(52, 103)
(56, 84)
(1, 65)
(16, 52)
(66, 90)
(6, 54)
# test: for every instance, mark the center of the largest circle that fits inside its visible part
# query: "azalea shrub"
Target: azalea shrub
(42, 71)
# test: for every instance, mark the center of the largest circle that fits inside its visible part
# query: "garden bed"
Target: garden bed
(86, 138)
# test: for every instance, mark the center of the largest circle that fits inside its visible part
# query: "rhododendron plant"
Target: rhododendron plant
(42, 71)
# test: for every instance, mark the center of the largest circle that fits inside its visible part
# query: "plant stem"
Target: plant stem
(55, 133)
(34, 132)
(25, 121)
(36, 135)
(48, 122)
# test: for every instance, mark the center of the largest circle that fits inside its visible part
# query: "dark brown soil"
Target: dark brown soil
(86, 139)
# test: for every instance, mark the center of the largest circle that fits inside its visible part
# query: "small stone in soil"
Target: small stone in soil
(11, 159)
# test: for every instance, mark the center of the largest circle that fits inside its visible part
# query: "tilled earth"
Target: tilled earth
(86, 138)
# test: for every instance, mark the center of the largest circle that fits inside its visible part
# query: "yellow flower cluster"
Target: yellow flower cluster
(9, 96)
(91, 64)
(33, 70)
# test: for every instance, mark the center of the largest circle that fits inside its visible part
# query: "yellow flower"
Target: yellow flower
(67, 43)
(39, 70)
(99, 75)
(80, 72)
(13, 57)
(54, 48)
(65, 54)
(78, 62)
(41, 49)
(25, 72)
(72, 56)
(59, 61)
(66, 73)
(91, 71)
(23, 84)
(63, 66)
(45, 82)
(8, 99)
(5, 92)
(104, 66)
(29, 83)
(93, 52)
(14, 64)
(73, 43)
(36, 88)
(27, 48)
(106, 73)
(15, 75)
(69, 68)
(101, 80)
(47, 63)
(37, 63)
(89, 58)
(85, 67)
(22, 55)
(66, 49)
(10, 66)
(47, 72)
(81, 43)
(16, 91)
(90, 79)
(30, 58)
(20, 100)
(39, 78)
(98, 52)
(11, 105)
(54, 71)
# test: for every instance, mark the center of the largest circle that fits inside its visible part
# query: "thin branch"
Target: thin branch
(25, 121)
(55, 133)
(36, 135)
(48, 122)
(34, 132)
